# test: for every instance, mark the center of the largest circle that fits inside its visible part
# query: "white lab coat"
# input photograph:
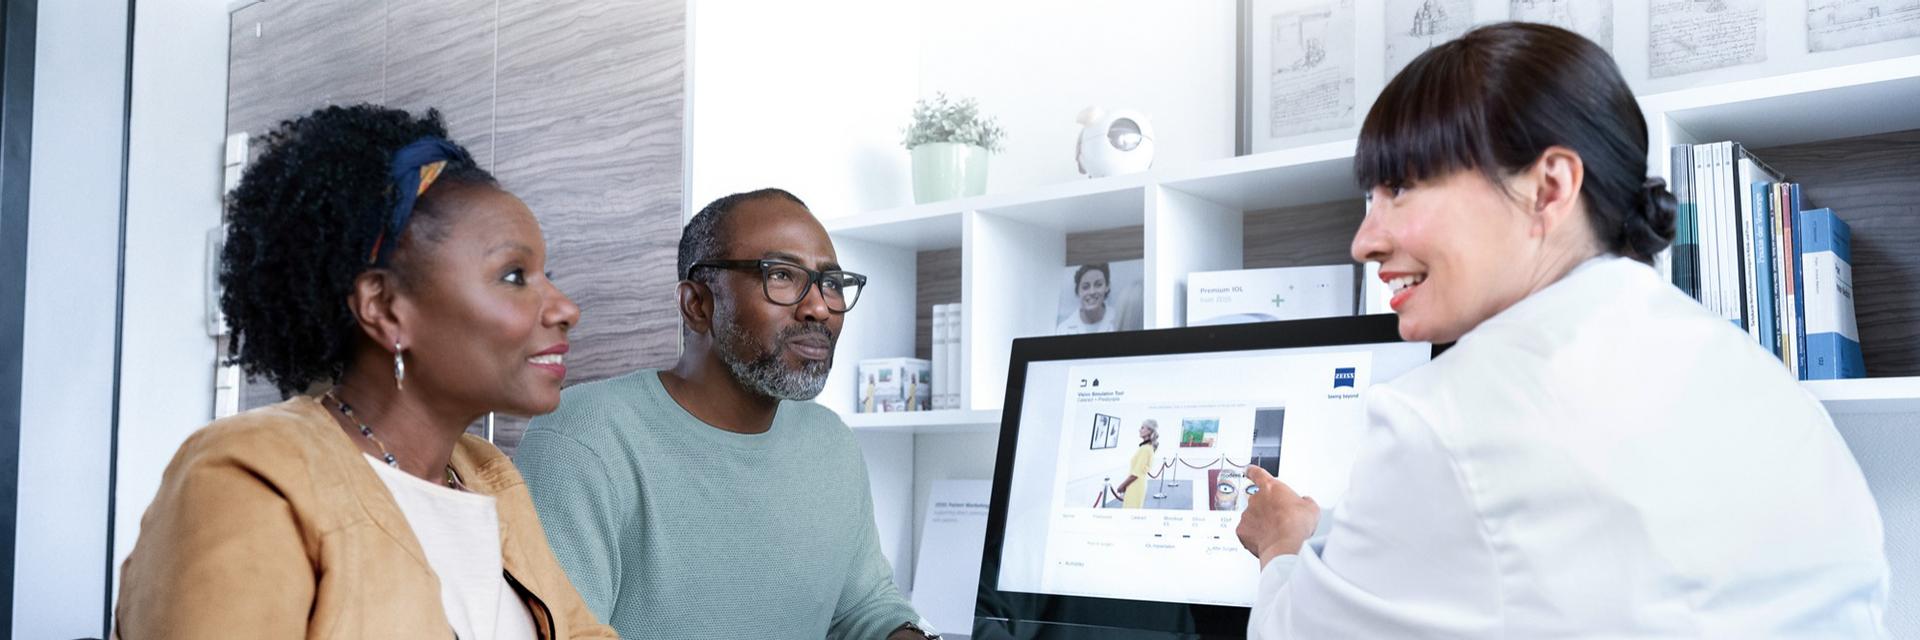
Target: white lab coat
(1603, 459)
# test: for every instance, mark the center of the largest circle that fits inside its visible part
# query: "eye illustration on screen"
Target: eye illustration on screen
(1226, 489)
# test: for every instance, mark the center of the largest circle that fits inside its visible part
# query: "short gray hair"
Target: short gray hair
(702, 238)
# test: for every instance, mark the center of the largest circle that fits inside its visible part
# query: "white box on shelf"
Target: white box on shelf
(1261, 295)
(888, 385)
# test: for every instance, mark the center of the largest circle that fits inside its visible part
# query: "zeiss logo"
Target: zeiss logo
(1343, 377)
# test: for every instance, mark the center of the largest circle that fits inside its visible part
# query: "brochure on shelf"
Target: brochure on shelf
(1265, 295)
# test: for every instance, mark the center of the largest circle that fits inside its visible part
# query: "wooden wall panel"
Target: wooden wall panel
(937, 281)
(577, 108)
(1873, 183)
(1303, 236)
(1108, 245)
(288, 58)
(588, 131)
(257, 392)
(440, 55)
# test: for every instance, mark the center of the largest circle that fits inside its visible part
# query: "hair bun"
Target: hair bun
(1649, 229)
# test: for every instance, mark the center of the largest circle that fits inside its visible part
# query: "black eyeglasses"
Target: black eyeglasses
(786, 284)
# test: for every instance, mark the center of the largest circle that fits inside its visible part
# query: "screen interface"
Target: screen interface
(1129, 474)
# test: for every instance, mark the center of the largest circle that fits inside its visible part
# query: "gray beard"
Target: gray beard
(764, 371)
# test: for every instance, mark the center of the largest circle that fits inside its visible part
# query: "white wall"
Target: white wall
(1035, 65)
(1884, 444)
(803, 96)
(788, 94)
(889, 458)
(72, 269)
(173, 198)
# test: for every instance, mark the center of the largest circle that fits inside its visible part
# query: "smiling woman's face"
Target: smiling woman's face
(1448, 249)
(494, 327)
(1092, 289)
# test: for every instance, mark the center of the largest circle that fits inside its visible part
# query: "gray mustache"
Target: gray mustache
(809, 328)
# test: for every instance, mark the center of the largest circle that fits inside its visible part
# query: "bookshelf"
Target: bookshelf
(1851, 136)
(1298, 206)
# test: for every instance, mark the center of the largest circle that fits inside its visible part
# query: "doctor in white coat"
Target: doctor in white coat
(1597, 455)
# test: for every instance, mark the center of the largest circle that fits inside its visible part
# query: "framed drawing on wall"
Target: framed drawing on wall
(1296, 62)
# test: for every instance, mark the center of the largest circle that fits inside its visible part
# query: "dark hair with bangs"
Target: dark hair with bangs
(1495, 99)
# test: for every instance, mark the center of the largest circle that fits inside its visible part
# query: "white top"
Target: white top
(1603, 459)
(1109, 321)
(460, 532)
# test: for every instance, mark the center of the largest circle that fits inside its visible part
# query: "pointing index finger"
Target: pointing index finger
(1268, 483)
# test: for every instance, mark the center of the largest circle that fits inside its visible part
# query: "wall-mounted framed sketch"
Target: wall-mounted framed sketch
(1296, 65)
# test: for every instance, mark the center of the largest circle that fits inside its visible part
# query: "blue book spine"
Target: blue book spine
(1833, 337)
(1686, 241)
(1799, 280)
(1762, 221)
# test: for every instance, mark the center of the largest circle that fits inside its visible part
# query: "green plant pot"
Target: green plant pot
(948, 170)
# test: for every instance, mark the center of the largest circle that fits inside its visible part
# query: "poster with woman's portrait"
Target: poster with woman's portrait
(1100, 297)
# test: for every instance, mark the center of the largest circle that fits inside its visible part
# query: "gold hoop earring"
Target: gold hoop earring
(399, 368)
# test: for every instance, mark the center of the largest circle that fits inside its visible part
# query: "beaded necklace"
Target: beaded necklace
(453, 480)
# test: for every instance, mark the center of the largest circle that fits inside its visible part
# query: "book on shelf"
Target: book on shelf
(1683, 258)
(946, 356)
(1744, 246)
(1753, 181)
(1786, 206)
(940, 356)
(1832, 335)
(939, 359)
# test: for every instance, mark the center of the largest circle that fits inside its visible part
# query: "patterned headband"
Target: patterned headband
(414, 169)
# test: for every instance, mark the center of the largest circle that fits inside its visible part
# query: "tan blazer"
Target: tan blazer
(270, 524)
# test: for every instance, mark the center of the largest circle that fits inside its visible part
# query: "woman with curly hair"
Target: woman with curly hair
(387, 283)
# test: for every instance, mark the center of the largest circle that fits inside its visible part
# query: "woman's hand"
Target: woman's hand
(1277, 521)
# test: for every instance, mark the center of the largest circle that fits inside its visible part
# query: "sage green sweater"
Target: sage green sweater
(674, 529)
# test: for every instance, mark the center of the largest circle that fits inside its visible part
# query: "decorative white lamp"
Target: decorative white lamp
(1112, 143)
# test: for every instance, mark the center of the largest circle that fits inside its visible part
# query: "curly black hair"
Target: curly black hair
(300, 227)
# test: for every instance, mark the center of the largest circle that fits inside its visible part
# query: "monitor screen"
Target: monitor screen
(1127, 470)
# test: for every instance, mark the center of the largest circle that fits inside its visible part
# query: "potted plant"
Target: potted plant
(950, 141)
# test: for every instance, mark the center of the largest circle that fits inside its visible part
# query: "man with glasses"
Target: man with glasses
(712, 499)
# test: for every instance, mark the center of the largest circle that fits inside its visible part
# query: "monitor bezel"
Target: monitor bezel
(1039, 611)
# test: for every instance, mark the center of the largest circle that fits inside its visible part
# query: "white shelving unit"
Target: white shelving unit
(1867, 396)
(1195, 217)
(1192, 219)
